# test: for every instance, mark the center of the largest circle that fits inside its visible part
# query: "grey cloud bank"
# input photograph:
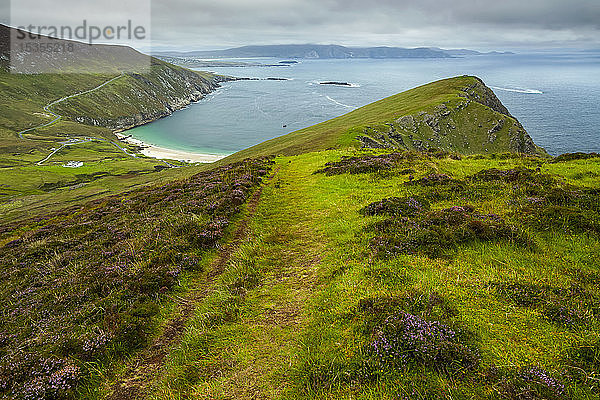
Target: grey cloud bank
(478, 24)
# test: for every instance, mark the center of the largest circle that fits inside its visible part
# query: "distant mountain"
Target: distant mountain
(467, 52)
(317, 51)
(314, 51)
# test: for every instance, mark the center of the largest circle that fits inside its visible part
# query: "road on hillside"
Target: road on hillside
(57, 116)
(71, 141)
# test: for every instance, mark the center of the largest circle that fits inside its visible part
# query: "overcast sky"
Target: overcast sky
(476, 24)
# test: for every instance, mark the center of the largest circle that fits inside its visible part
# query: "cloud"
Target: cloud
(482, 24)
(478, 23)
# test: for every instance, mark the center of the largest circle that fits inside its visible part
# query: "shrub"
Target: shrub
(510, 175)
(531, 383)
(574, 156)
(364, 164)
(435, 232)
(400, 206)
(405, 339)
(411, 330)
(568, 307)
(377, 309)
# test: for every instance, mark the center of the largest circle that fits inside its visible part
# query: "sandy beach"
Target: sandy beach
(170, 154)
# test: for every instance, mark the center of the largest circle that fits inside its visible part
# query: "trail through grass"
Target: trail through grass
(298, 308)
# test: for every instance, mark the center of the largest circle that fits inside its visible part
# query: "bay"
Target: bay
(555, 96)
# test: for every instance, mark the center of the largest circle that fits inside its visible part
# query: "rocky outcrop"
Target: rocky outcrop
(482, 94)
(474, 122)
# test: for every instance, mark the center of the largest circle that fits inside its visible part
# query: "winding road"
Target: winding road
(55, 102)
(71, 141)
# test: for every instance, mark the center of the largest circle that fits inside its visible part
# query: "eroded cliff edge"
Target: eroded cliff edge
(471, 121)
(137, 99)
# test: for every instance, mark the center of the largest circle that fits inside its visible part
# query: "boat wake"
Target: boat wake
(518, 90)
(337, 102)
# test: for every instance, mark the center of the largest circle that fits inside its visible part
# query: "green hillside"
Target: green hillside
(333, 274)
(458, 114)
(420, 247)
(77, 113)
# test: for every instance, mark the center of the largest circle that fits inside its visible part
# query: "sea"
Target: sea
(556, 96)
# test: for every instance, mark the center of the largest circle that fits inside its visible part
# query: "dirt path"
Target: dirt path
(254, 355)
(143, 369)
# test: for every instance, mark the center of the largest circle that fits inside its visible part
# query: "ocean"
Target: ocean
(555, 96)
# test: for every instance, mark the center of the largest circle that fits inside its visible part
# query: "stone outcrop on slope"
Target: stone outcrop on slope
(474, 121)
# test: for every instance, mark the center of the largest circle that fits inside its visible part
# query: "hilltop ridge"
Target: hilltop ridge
(459, 114)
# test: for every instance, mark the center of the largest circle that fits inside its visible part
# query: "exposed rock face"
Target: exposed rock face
(148, 97)
(496, 128)
(482, 94)
(475, 122)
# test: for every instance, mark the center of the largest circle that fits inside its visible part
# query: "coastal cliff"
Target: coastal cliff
(472, 121)
(142, 88)
(137, 99)
(460, 115)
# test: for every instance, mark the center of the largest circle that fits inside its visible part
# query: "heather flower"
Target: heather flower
(404, 339)
(363, 164)
(100, 268)
(435, 231)
(406, 206)
(539, 376)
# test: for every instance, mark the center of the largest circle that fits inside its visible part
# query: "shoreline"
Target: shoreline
(163, 153)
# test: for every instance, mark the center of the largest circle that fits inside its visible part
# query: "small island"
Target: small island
(336, 83)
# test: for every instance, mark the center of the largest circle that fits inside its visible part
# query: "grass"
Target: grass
(314, 298)
(82, 287)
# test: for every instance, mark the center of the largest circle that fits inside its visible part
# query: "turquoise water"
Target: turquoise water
(554, 96)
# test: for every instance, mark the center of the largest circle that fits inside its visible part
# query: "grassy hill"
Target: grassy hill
(344, 274)
(458, 114)
(333, 270)
(158, 87)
